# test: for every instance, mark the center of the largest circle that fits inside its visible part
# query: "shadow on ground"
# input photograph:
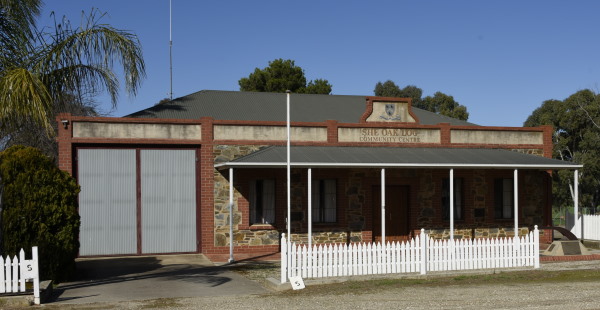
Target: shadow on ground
(150, 277)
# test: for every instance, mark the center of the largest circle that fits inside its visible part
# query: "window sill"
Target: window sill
(262, 227)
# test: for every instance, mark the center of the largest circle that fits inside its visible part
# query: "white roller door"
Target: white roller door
(168, 201)
(107, 202)
(120, 205)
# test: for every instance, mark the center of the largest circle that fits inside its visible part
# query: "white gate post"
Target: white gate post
(36, 275)
(423, 251)
(283, 258)
(536, 247)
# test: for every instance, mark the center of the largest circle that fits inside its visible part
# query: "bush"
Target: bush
(39, 204)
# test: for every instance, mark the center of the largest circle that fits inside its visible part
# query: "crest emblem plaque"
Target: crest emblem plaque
(389, 109)
(390, 113)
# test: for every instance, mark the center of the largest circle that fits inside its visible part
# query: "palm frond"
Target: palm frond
(97, 46)
(76, 83)
(23, 96)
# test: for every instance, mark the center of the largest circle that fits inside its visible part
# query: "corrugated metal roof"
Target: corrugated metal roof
(327, 156)
(255, 106)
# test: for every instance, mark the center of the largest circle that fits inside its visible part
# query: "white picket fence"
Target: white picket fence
(591, 226)
(420, 254)
(17, 271)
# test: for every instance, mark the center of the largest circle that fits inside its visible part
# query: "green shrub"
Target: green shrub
(39, 209)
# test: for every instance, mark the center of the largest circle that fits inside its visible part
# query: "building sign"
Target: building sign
(389, 135)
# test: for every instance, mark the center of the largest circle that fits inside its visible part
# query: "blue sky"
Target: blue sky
(501, 59)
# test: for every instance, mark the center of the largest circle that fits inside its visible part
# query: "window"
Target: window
(262, 202)
(504, 198)
(324, 201)
(458, 199)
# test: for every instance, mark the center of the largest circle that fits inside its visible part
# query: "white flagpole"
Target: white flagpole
(170, 50)
(289, 199)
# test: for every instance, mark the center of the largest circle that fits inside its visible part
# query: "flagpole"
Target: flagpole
(289, 199)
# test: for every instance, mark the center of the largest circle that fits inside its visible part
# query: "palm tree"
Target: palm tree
(41, 70)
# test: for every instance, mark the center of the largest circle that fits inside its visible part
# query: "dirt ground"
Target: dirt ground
(568, 285)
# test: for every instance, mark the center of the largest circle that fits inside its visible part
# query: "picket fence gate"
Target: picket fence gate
(420, 254)
(17, 270)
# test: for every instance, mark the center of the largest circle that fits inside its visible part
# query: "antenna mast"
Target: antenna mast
(170, 51)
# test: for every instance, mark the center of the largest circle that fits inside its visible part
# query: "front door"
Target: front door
(396, 213)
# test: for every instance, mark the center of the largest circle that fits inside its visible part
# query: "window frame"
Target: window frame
(319, 201)
(263, 202)
(459, 191)
(504, 199)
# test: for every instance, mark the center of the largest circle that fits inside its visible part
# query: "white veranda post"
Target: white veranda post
(577, 223)
(231, 215)
(310, 207)
(516, 201)
(382, 206)
(451, 204)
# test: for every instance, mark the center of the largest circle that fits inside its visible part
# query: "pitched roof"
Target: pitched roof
(255, 106)
(337, 156)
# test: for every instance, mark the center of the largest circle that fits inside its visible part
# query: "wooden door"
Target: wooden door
(396, 213)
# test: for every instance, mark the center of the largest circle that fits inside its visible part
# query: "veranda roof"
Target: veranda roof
(390, 157)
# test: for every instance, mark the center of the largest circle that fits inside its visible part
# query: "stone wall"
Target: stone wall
(225, 153)
(327, 237)
(470, 233)
(479, 221)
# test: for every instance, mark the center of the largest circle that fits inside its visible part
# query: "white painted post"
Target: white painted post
(577, 222)
(2, 279)
(284, 258)
(382, 206)
(231, 260)
(310, 207)
(516, 201)
(536, 247)
(22, 271)
(424, 240)
(289, 196)
(451, 204)
(36, 275)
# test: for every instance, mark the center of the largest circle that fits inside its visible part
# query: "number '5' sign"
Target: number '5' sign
(29, 270)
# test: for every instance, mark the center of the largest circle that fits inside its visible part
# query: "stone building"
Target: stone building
(158, 181)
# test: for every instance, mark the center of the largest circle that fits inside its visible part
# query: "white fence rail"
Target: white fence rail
(591, 226)
(420, 254)
(17, 270)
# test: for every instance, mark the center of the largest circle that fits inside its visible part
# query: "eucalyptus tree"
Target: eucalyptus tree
(282, 75)
(43, 70)
(576, 137)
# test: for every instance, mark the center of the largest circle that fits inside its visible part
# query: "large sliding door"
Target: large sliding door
(168, 191)
(107, 202)
(137, 201)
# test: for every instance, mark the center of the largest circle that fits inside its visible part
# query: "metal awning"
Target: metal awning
(394, 157)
